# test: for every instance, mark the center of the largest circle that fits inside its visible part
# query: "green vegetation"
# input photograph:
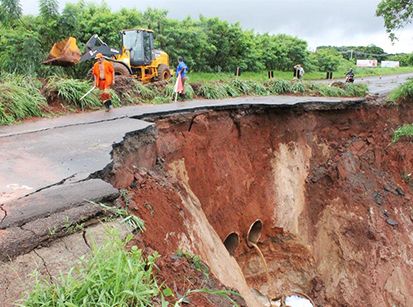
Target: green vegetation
(133, 221)
(112, 276)
(403, 131)
(396, 14)
(23, 97)
(404, 91)
(71, 90)
(19, 98)
(288, 75)
(195, 260)
(213, 48)
(210, 44)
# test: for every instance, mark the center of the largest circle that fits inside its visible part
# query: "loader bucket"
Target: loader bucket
(64, 53)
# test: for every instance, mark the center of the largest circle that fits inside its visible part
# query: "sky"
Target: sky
(319, 22)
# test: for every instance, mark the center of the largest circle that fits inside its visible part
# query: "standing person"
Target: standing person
(104, 75)
(298, 71)
(181, 70)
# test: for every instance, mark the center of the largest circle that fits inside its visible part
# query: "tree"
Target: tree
(20, 51)
(49, 9)
(11, 11)
(396, 14)
(328, 59)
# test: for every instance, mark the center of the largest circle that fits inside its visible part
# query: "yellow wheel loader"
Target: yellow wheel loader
(136, 58)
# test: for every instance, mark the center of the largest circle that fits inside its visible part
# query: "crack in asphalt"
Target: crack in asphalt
(50, 186)
(29, 230)
(64, 126)
(5, 213)
(45, 266)
(85, 239)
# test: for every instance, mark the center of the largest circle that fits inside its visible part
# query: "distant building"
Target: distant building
(391, 64)
(366, 63)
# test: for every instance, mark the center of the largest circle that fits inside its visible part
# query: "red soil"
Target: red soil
(332, 191)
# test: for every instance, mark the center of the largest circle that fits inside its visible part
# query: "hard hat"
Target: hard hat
(98, 56)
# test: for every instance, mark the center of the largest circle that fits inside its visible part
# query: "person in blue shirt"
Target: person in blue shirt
(182, 69)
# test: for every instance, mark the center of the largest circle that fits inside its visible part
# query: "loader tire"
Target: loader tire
(120, 69)
(164, 73)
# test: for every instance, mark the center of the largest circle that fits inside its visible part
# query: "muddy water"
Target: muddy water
(327, 185)
(264, 262)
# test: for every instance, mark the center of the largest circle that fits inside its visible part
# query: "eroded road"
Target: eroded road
(45, 184)
(40, 154)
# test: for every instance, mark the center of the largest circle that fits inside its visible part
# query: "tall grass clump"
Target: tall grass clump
(212, 90)
(232, 90)
(71, 90)
(243, 86)
(257, 88)
(403, 131)
(168, 91)
(278, 87)
(112, 276)
(329, 91)
(20, 98)
(143, 91)
(297, 87)
(356, 90)
(405, 91)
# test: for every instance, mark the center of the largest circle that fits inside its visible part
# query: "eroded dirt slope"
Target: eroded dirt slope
(331, 190)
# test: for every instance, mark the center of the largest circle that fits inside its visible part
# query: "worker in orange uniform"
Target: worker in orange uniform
(104, 75)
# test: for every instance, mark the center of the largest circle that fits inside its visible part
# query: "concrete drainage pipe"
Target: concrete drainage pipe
(231, 242)
(254, 233)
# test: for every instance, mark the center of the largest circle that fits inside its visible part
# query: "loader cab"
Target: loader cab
(139, 43)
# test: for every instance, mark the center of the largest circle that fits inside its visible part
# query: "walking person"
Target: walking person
(181, 71)
(104, 75)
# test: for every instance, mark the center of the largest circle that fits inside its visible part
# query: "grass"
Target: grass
(133, 221)
(112, 276)
(71, 90)
(19, 98)
(24, 97)
(405, 91)
(195, 260)
(402, 132)
(288, 75)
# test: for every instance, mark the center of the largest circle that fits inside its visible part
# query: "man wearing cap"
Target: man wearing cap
(104, 75)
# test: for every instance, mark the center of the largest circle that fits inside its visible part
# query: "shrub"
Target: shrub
(212, 90)
(278, 86)
(232, 91)
(20, 98)
(297, 87)
(170, 94)
(356, 90)
(144, 92)
(257, 88)
(112, 276)
(404, 91)
(403, 131)
(71, 90)
(242, 86)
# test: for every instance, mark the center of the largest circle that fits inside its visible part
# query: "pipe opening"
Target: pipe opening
(254, 233)
(231, 243)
